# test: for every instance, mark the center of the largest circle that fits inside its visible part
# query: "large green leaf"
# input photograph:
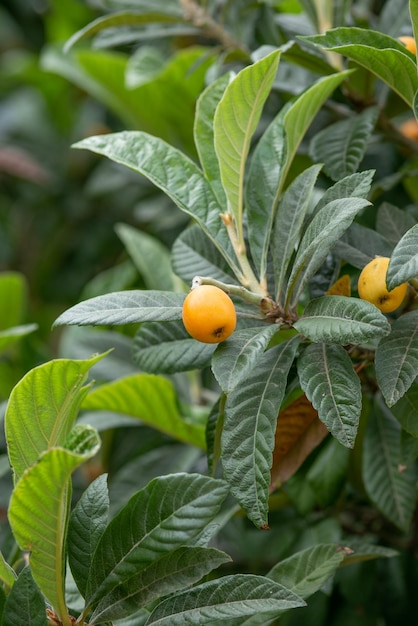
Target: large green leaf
(13, 291)
(291, 212)
(263, 189)
(391, 488)
(249, 427)
(125, 307)
(225, 601)
(168, 348)
(149, 255)
(342, 145)
(193, 254)
(25, 603)
(343, 320)
(406, 410)
(87, 524)
(384, 56)
(305, 572)
(324, 230)
(327, 377)
(404, 260)
(172, 172)
(170, 512)
(353, 186)
(151, 399)
(168, 574)
(235, 359)
(397, 358)
(204, 133)
(38, 513)
(42, 409)
(392, 223)
(121, 19)
(236, 119)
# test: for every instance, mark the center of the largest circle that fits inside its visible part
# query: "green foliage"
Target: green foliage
(260, 148)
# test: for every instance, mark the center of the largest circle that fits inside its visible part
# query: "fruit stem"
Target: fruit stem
(247, 278)
(266, 304)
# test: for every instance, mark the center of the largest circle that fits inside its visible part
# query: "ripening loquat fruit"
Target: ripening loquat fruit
(209, 314)
(409, 43)
(372, 286)
(409, 129)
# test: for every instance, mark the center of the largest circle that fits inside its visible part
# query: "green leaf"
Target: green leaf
(363, 551)
(303, 109)
(342, 145)
(172, 172)
(25, 603)
(343, 320)
(125, 307)
(193, 254)
(151, 399)
(235, 359)
(392, 223)
(170, 512)
(327, 377)
(204, 133)
(168, 574)
(359, 245)
(406, 410)
(38, 515)
(354, 186)
(87, 524)
(149, 255)
(42, 409)
(382, 55)
(404, 260)
(168, 348)
(329, 485)
(7, 573)
(13, 334)
(396, 358)
(143, 66)
(236, 119)
(291, 212)
(307, 571)
(225, 601)
(392, 489)
(248, 433)
(120, 19)
(263, 189)
(324, 230)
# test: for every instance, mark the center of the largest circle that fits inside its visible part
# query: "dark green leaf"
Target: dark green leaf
(235, 359)
(25, 603)
(391, 488)
(87, 523)
(392, 223)
(168, 574)
(168, 348)
(341, 146)
(125, 307)
(359, 245)
(326, 227)
(306, 572)
(406, 410)
(397, 358)
(363, 551)
(343, 320)
(170, 512)
(291, 212)
(327, 377)
(404, 260)
(193, 254)
(225, 601)
(249, 427)
(171, 171)
(384, 56)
